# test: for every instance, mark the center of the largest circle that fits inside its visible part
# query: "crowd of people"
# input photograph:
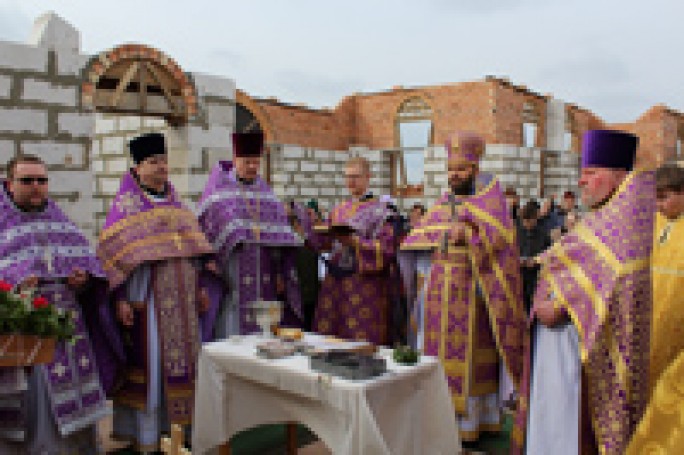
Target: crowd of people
(575, 316)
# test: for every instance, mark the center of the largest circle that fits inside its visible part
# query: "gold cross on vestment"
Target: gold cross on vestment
(177, 241)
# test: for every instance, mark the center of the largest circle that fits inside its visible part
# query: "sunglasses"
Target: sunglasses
(31, 180)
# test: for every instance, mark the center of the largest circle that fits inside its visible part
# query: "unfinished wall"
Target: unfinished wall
(40, 112)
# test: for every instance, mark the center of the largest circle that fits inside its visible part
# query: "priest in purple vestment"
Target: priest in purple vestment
(585, 384)
(256, 246)
(159, 267)
(462, 270)
(354, 300)
(54, 409)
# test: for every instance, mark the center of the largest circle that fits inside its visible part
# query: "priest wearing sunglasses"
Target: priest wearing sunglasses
(52, 408)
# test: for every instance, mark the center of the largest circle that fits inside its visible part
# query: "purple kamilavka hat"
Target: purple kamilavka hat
(609, 149)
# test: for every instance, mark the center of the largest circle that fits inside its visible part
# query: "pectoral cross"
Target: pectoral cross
(177, 241)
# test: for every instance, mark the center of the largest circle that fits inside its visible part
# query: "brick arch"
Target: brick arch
(251, 105)
(413, 94)
(100, 64)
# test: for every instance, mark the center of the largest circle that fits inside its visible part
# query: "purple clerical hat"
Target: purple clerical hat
(609, 148)
(248, 144)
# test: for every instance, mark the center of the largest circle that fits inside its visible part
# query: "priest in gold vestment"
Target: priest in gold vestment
(667, 331)
(461, 268)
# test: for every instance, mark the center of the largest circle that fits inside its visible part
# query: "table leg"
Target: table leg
(291, 431)
(224, 449)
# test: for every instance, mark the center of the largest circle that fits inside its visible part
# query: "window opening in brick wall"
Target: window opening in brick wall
(567, 141)
(414, 130)
(530, 120)
(529, 135)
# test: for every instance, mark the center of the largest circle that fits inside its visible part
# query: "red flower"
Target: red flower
(40, 302)
(5, 287)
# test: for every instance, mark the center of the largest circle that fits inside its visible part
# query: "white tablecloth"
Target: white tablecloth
(406, 411)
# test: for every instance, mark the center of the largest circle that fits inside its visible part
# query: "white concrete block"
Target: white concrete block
(374, 156)
(49, 93)
(208, 85)
(70, 64)
(302, 178)
(219, 114)
(439, 153)
(280, 178)
(117, 165)
(95, 148)
(97, 166)
(380, 181)
(21, 57)
(432, 191)
(290, 166)
(309, 191)
(76, 124)
(52, 32)
(328, 191)
(292, 152)
(5, 86)
(18, 120)
(214, 155)
(492, 165)
(322, 154)
(305, 166)
(55, 153)
(341, 157)
(129, 123)
(323, 179)
(290, 191)
(105, 124)
(154, 123)
(114, 145)
(215, 136)
(109, 185)
(330, 168)
(6, 151)
(434, 167)
(440, 180)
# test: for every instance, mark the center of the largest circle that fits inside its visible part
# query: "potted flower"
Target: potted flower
(30, 326)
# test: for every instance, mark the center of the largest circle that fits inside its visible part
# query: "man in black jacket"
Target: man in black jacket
(532, 240)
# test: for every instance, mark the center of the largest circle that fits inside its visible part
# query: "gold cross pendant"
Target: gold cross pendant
(177, 241)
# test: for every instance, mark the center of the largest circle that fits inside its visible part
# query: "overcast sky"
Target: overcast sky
(614, 57)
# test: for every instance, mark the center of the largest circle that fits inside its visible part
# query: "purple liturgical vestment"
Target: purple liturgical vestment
(599, 274)
(152, 251)
(46, 244)
(467, 299)
(354, 298)
(255, 246)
